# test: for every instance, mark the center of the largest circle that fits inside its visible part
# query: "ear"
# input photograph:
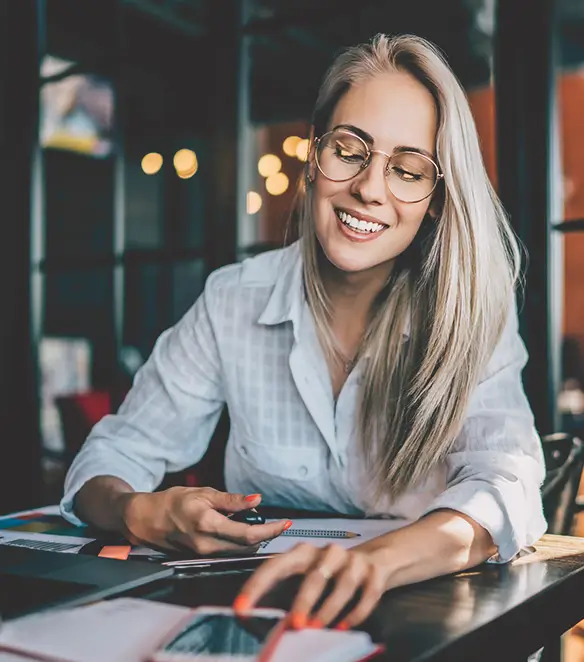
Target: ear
(437, 203)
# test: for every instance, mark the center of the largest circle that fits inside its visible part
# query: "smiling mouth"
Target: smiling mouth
(363, 227)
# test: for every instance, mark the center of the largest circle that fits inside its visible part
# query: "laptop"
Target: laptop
(33, 580)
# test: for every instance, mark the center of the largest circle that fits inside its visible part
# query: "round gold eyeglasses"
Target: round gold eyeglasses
(341, 155)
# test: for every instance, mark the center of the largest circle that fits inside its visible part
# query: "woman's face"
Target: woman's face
(393, 112)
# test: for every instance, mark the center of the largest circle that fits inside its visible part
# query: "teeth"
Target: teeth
(359, 226)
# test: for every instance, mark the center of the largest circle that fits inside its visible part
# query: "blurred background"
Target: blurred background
(145, 143)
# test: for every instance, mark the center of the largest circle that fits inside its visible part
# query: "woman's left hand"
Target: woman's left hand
(350, 569)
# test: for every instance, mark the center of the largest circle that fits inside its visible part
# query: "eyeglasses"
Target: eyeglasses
(341, 155)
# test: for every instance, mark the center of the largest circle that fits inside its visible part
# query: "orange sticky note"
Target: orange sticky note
(120, 552)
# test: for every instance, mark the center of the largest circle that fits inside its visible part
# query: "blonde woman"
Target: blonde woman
(371, 368)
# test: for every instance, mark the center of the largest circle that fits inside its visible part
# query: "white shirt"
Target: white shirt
(250, 341)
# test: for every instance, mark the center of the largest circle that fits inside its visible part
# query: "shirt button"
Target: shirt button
(303, 471)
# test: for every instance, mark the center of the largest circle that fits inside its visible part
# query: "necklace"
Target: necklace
(348, 364)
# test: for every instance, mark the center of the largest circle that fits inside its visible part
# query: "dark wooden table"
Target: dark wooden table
(494, 613)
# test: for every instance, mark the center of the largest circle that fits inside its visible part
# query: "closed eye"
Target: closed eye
(406, 175)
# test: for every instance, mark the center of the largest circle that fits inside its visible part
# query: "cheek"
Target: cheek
(322, 201)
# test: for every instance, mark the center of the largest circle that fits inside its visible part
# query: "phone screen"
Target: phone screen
(219, 634)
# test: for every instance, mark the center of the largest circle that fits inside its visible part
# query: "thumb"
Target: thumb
(233, 503)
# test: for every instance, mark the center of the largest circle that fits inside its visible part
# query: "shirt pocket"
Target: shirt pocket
(290, 462)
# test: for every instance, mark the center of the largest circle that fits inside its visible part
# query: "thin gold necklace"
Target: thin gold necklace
(348, 364)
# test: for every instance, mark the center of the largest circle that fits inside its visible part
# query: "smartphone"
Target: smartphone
(217, 634)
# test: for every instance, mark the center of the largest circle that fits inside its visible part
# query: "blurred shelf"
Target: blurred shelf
(570, 226)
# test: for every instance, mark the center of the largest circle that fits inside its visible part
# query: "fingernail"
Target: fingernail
(343, 625)
(253, 497)
(298, 621)
(241, 603)
(316, 624)
(287, 525)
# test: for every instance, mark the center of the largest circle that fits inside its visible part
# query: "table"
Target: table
(494, 613)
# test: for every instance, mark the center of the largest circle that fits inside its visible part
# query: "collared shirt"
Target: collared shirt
(249, 341)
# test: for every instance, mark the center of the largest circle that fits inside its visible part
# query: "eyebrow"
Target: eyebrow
(368, 138)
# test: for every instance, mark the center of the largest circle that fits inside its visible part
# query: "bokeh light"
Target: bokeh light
(302, 150)
(289, 145)
(254, 202)
(186, 163)
(269, 164)
(151, 163)
(277, 184)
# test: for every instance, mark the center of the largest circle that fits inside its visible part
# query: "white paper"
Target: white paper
(367, 528)
(323, 646)
(119, 630)
(14, 657)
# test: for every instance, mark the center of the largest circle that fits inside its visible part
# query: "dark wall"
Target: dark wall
(19, 435)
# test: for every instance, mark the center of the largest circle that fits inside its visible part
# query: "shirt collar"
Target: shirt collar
(287, 298)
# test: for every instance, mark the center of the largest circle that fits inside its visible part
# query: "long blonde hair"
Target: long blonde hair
(455, 282)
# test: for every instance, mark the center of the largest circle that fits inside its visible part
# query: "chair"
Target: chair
(564, 461)
(79, 412)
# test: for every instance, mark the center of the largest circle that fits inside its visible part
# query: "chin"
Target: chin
(348, 260)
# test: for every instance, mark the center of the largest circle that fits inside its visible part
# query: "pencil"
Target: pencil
(319, 533)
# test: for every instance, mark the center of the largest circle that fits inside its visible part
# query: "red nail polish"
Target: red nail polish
(298, 621)
(253, 497)
(343, 625)
(288, 525)
(316, 624)
(241, 603)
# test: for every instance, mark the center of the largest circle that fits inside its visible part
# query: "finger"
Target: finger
(273, 571)
(373, 590)
(230, 502)
(347, 583)
(330, 561)
(245, 534)
(206, 545)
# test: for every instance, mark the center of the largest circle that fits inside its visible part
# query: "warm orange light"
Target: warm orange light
(186, 163)
(151, 163)
(186, 175)
(302, 150)
(289, 145)
(254, 202)
(269, 164)
(277, 184)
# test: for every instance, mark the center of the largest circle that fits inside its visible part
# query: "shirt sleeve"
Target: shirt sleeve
(167, 419)
(496, 468)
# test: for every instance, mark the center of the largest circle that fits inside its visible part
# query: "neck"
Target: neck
(354, 292)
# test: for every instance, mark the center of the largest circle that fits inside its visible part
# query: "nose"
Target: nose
(370, 186)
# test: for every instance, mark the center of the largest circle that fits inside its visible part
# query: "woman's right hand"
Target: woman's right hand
(194, 518)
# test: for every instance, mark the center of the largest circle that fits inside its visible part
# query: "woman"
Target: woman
(371, 368)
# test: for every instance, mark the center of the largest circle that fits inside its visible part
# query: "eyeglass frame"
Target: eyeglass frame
(367, 162)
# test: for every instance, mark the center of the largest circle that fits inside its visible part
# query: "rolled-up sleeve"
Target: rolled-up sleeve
(495, 470)
(167, 418)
